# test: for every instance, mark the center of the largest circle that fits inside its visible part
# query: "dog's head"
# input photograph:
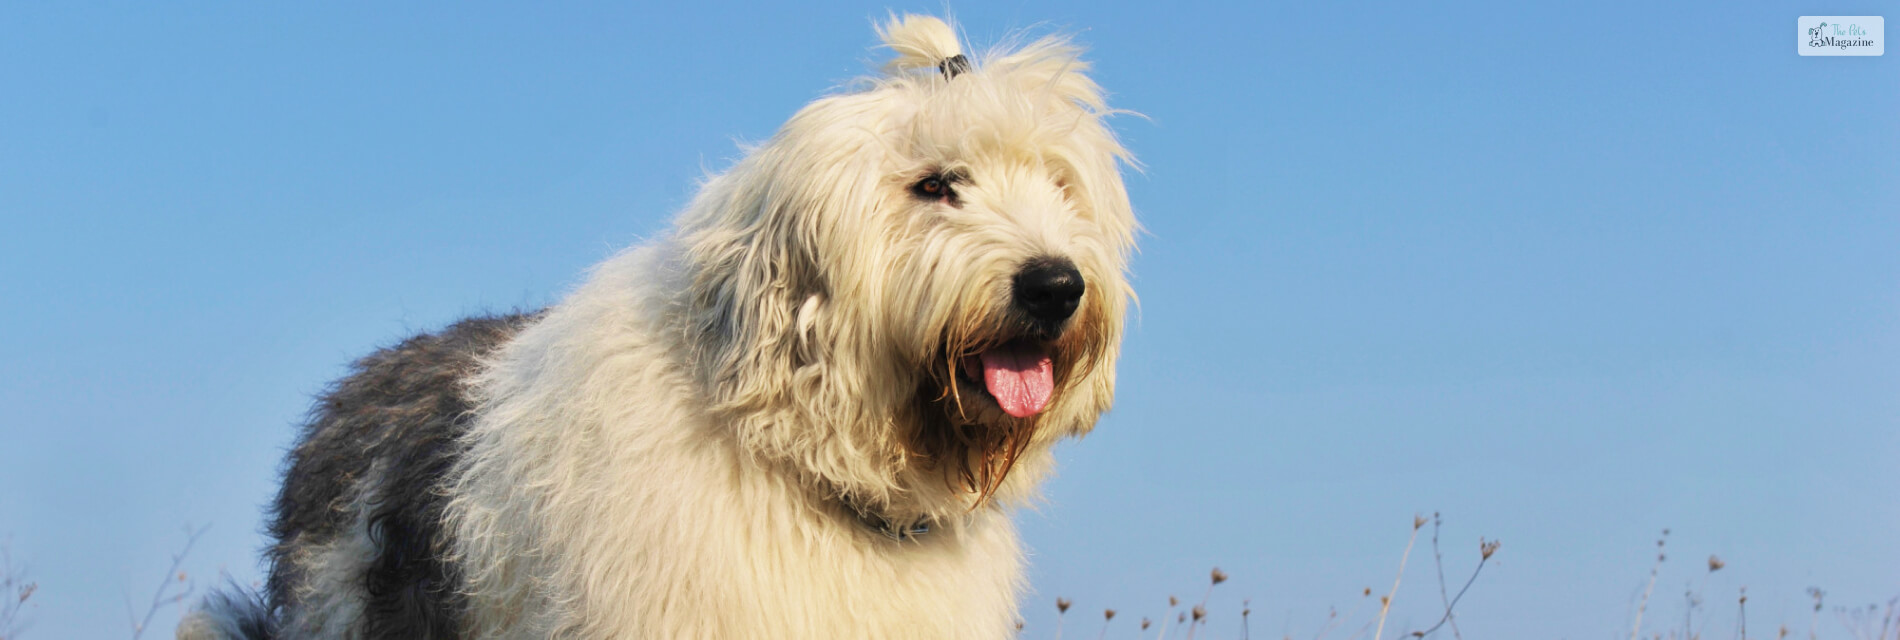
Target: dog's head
(915, 287)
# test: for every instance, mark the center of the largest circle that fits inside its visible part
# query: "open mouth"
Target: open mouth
(1019, 375)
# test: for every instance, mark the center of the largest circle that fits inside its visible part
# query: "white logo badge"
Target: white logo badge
(1842, 36)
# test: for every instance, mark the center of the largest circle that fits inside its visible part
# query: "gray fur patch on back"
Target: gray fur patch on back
(359, 547)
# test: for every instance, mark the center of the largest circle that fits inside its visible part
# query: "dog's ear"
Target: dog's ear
(778, 328)
(751, 279)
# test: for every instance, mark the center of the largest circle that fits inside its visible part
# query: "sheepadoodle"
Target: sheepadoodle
(807, 411)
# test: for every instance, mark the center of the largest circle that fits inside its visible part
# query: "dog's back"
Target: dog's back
(358, 547)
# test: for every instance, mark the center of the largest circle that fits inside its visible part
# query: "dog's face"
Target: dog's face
(922, 281)
(1004, 288)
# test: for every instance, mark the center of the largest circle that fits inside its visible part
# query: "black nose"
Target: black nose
(1048, 290)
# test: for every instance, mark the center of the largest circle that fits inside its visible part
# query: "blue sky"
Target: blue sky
(1569, 275)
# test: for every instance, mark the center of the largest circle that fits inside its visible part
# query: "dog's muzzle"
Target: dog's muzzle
(1047, 291)
(1019, 373)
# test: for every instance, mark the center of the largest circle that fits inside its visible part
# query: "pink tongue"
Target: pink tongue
(1019, 377)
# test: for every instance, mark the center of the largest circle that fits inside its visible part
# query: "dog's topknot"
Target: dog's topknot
(921, 42)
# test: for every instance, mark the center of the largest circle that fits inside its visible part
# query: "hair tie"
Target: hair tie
(953, 65)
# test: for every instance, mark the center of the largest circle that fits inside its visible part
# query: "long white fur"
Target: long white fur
(652, 458)
(663, 454)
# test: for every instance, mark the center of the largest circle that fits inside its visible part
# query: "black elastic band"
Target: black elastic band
(953, 65)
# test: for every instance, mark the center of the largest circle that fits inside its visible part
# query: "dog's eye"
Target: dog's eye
(934, 187)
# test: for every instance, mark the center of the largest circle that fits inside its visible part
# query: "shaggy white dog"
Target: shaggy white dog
(804, 413)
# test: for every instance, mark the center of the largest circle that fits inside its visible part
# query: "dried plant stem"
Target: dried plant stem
(1886, 622)
(1454, 601)
(1636, 628)
(1332, 620)
(1815, 617)
(1336, 620)
(1194, 625)
(15, 590)
(1385, 604)
(1688, 612)
(1438, 560)
(1215, 577)
(164, 596)
(1653, 571)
